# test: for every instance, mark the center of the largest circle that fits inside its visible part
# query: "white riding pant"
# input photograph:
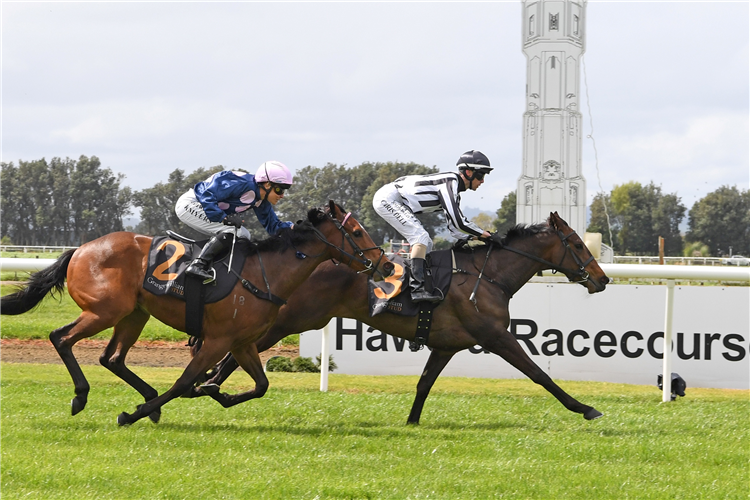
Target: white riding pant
(190, 211)
(388, 203)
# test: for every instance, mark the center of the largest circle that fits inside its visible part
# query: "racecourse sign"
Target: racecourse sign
(614, 336)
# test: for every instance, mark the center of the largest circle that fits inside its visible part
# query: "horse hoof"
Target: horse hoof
(123, 419)
(77, 404)
(210, 389)
(155, 416)
(592, 414)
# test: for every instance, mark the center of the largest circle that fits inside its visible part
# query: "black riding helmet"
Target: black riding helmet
(476, 161)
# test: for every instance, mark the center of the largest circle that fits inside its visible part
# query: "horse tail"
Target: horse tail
(39, 284)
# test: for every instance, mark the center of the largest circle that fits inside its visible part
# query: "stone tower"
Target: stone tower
(552, 178)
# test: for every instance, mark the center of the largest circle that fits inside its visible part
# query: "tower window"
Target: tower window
(575, 25)
(531, 25)
(553, 21)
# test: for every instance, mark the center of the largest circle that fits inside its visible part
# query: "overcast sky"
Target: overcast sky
(151, 87)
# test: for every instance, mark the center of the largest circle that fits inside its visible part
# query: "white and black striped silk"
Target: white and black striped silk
(430, 193)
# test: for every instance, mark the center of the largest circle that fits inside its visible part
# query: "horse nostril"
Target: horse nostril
(388, 266)
(604, 280)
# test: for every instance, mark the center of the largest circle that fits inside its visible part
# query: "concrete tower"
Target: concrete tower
(552, 178)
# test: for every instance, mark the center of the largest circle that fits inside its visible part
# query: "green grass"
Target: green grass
(478, 439)
(53, 313)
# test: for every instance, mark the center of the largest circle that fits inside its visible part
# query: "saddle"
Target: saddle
(392, 295)
(168, 258)
(170, 255)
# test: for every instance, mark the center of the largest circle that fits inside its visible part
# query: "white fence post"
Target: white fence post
(325, 348)
(666, 374)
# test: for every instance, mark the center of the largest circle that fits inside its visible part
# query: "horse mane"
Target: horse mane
(524, 231)
(303, 232)
(517, 232)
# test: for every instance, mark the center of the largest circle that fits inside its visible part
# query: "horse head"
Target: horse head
(577, 262)
(357, 249)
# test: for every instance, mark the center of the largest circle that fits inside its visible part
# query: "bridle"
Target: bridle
(358, 254)
(579, 275)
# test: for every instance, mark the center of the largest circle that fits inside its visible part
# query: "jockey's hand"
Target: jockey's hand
(235, 220)
(486, 235)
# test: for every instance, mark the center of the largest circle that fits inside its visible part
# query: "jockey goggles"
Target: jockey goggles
(279, 189)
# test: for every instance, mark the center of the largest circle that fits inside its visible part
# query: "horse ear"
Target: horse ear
(553, 219)
(332, 207)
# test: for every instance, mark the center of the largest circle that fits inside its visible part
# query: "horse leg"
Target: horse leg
(209, 355)
(64, 338)
(216, 377)
(507, 347)
(248, 358)
(126, 333)
(435, 365)
(229, 364)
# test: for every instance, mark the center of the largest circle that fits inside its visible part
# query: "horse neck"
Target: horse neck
(514, 270)
(285, 271)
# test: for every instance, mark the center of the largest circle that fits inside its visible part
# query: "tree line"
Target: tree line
(68, 202)
(60, 202)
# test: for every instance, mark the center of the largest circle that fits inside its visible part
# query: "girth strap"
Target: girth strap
(424, 325)
(257, 292)
(194, 301)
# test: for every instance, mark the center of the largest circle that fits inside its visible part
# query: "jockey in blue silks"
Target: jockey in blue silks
(216, 207)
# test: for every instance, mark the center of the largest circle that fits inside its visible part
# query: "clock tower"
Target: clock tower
(552, 178)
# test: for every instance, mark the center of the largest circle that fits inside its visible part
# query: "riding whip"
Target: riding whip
(473, 296)
(231, 253)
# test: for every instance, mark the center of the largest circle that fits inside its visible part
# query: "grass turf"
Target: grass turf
(479, 438)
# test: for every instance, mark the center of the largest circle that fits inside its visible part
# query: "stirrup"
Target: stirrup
(212, 278)
(206, 281)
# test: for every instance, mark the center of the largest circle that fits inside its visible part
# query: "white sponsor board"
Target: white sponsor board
(613, 336)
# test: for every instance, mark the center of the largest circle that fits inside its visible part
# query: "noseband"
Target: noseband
(359, 253)
(581, 274)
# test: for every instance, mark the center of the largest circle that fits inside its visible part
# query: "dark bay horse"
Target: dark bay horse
(333, 291)
(105, 279)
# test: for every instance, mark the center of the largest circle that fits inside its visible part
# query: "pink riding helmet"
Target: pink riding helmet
(274, 171)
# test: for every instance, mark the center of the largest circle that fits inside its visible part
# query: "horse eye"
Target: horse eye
(357, 233)
(579, 246)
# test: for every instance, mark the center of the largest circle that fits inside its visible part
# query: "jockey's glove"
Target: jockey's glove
(235, 220)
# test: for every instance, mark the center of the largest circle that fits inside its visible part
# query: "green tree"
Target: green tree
(722, 219)
(505, 216)
(483, 220)
(598, 221)
(157, 203)
(98, 204)
(639, 215)
(378, 228)
(696, 249)
(314, 186)
(9, 223)
(61, 201)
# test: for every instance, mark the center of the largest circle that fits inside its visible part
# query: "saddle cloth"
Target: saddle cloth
(392, 294)
(168, 258)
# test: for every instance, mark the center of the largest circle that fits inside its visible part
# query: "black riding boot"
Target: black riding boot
(416, 283)
(201, 267)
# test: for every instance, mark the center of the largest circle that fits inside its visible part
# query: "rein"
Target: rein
(370, 267)
(578, 276)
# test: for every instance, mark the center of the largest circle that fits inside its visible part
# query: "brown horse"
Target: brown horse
(105, 279)
(457, 325)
